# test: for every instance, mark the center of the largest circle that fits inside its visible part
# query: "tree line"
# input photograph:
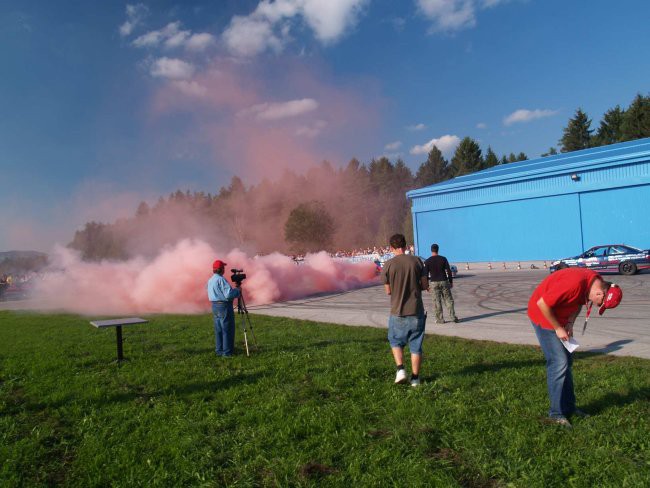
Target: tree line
(356, 206)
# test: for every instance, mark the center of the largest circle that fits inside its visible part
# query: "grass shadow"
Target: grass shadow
(498, 366)
(142, 394)
(611, 400)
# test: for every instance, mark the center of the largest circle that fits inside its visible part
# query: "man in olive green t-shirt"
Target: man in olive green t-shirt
(404, 278)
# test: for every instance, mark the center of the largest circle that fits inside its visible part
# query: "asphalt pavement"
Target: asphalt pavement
(492, 306)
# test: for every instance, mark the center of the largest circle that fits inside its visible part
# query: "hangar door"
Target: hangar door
(616, 216)
(536, 228)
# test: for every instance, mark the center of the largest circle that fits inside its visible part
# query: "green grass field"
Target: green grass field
(314, 406)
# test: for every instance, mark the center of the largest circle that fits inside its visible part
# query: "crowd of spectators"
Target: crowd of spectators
(374, 253)
(16, 285)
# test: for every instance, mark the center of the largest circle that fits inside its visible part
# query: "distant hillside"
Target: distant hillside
(21, 255)
(22, 261)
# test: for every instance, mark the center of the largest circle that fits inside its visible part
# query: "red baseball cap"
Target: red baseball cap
(218, 264)
(612, 299)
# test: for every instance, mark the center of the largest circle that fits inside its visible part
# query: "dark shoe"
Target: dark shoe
(561, 421)
(456, 320)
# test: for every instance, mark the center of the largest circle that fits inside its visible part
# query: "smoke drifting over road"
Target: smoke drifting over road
(175, 280)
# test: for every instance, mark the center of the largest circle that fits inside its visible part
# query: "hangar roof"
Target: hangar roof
(564, 163)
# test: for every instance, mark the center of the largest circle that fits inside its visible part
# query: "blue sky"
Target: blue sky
(109, 103)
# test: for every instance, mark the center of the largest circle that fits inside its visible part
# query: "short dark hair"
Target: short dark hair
(434, 247)
(398, 241)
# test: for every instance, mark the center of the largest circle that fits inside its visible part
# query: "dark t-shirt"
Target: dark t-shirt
(438, 269)
(403, 273)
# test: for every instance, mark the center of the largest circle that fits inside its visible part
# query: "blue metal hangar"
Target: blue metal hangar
(539, 209)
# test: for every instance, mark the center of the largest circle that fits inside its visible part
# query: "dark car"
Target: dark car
(617, 258)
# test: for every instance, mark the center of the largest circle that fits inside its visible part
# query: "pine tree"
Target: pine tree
(434, 170)
(143, 210)
(467, 158)
(610, 130)
(490, 158)
(551, 152)
(577, 134)
(636, 120)
(309, 227)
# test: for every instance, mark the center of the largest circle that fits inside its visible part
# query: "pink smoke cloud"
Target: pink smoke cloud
(218, 114)
(175, 280)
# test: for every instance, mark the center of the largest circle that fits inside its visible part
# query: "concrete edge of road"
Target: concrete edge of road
(501, 266)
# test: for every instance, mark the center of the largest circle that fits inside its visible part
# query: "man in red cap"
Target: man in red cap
(553, 308)
(221, 294)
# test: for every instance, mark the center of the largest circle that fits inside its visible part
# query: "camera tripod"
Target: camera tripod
(245, 319)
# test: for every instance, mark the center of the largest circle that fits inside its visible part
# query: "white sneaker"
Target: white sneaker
(415, 382)
(400, 377)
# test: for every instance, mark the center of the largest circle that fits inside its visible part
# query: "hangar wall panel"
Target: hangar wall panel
(535, 228)
(617, 216)
(546, 208)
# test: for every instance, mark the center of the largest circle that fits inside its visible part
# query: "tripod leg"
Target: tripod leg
(246, 343)
(250, 326)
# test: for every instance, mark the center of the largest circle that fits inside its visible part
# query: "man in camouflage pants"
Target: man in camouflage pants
(441, 282)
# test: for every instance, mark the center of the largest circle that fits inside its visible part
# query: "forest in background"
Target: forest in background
(356, 206)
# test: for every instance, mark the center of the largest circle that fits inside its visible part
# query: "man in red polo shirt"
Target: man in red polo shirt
(553, 308)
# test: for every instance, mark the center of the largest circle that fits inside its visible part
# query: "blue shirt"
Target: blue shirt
(219, 290)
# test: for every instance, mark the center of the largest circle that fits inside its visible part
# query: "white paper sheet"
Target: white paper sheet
(571, 345)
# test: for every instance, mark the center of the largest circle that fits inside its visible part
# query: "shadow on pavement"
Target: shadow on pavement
(611, 347)
(492, 314)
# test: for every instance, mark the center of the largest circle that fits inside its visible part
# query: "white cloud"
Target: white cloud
(154, 38)
(190, 88)
(416, 127)
(492, 3)
(199, 42)
(392, 146)
(448, 15)
(134, 15)
(280, 110)
(268, 26)
(454, 15)
(524, 115)
(312, 130)
(177, 39)
(481, 125)
(171, 36)
(330, 18)
(445, 143)
(248, 37)
(171, 68)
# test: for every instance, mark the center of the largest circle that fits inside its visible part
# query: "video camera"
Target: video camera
(238, 276)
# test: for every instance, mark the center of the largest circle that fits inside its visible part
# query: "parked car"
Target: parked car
(619, 258)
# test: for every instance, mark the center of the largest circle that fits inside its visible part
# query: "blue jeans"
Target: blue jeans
(558, 373)
(409, 329)
(224, 328)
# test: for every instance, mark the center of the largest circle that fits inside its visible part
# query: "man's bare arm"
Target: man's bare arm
(547, 312)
